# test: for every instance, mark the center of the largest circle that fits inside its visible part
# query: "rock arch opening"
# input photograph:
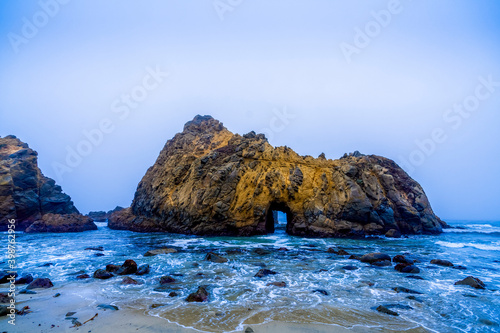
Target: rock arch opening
(278, 217)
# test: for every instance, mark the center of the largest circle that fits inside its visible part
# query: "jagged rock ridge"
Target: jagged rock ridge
(27, 196)
(209, 181)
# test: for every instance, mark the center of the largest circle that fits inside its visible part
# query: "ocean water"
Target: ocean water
(238, 299)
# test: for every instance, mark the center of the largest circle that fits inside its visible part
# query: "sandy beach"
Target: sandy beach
(49, 314)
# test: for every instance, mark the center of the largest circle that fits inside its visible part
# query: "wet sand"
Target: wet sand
(49, 313)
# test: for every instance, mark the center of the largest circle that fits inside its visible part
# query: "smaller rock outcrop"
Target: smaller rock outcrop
(62, 223)
(102, 216)
(201, 295)
(28, 197)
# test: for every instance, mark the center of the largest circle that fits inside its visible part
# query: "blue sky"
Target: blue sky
(414, 81)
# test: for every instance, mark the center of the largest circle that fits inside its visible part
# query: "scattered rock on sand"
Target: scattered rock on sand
(385, 310)
(128, 267)
(471, 281)
(143, 269)
(442, 262)
(281, 284)
(69, 314)
(107, 307)
(40, 283)
(265, 272)
(102, 274)
(155, 252)
(201, 295)
(372, 258)
(215, 258)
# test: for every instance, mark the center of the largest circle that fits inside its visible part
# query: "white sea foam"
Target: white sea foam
(479, 228)
(495, 246)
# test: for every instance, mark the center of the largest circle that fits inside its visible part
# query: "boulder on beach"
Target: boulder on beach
(209, 181)
(201, 295)
(40, 283)
(385, 310)
(472, 282)
(25, 279)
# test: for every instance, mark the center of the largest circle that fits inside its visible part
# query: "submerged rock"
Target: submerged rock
(40, 283)
(265, 272)
(155, 252)
(372, 258)
(142, 270)
(26, 279)
(167, 280)
(83, 276)
(400, 259)
(201, 295)
(102, 274)
(472, 282)
(441, 262)
(112, 268)
(385, 310)
(407, 268)
(29, 197)
(129, 280)
(406, 290)
(321, 291)
(281, 284)
(209, 181)
(215, 258)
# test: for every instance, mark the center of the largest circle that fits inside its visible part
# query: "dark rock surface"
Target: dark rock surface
(372, 258)
(27, 196)
(472, 282)
(40, 283)
(102, 216)
(442, 262)
(102, 274)
(209, 181)
(128, 267)
(264, 272)
(201, 295)
(215, 258)
(61, 223)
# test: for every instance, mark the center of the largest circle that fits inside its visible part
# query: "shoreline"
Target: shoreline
(49, 315)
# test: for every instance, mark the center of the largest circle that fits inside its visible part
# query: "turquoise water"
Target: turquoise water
(237, 298)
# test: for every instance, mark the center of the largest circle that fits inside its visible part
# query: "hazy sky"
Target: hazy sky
(415, 81)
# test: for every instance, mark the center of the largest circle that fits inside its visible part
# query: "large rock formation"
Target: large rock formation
(26, 195)
(209, 181)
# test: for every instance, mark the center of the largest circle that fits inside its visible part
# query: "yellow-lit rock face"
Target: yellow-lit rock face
(209, 181)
